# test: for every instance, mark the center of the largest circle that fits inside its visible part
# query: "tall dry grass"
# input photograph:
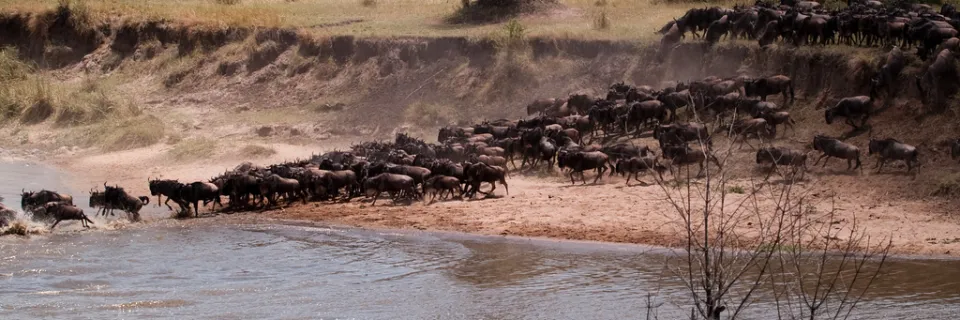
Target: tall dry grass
(570, 18)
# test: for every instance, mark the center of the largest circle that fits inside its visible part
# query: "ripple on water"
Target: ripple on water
(150, 304)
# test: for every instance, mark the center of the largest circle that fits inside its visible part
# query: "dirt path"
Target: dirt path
(549, 206)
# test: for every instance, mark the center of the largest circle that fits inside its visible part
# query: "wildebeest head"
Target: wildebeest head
(828, 115)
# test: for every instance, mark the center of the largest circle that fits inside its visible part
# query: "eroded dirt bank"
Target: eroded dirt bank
(299, 94)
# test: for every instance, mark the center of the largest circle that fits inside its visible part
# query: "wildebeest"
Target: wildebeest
(776, 118)
(770, 85)
(478, 173)
(118, 198)
(30, 200)
(681, 156)
(166, 187)
(397, 185)
(274, 186)
(581, 161)
(683, 132)
(891, 149)
(442, 184)
(746, 128)
(851, 108)
(834, 148)
(61, 211)
(193, 193)
(778, 156)
(98, 200)
(636, 166)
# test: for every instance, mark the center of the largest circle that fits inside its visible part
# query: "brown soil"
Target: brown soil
(277, 89)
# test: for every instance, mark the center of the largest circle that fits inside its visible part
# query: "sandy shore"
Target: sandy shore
(549, 206)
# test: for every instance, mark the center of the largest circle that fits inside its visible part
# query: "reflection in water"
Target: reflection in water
(296, 272)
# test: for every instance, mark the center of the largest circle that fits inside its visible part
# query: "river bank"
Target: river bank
(548, 206)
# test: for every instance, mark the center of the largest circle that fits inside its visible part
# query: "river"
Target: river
(229, 267)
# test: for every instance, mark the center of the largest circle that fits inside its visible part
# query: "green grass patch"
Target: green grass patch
(736, 189)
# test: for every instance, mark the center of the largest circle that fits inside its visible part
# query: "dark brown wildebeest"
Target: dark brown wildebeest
(747, 128)
(638, 165)
(937, 81)
(891, 149)
(167, 188)
(769, 34)
(716, 30)
(98, 200)
(681, 156)
(642, 113)
(579, 162)
(274, 186)
(61, 211)
(886, 79)
(834, 148)
(851, 108)
(685, 132)
(30, 200)
(419, 174)
(117, 198)
(333, 181)
(770, 85)
(777, 118)
(776, 156)
(397, 185)
(442, 185)
(478, 173)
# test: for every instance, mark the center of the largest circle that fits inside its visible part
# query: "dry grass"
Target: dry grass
(572, 18)
(256, 151)
(115, 135)
(430, 114)
(193, 149)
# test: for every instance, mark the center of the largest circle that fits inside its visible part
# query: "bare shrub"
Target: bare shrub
(368, 3)
(227, 2)
(817, 271)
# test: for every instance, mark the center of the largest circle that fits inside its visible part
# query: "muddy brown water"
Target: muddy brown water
(218, 269)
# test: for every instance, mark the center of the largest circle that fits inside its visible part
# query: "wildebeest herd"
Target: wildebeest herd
(902, 25)
(576, 134)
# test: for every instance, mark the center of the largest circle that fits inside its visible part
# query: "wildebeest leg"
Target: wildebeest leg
(55, 224)
(196, 208)
(828, 160)
(165, 202)
(701, 170)
(818, 159)
(600, 171)
(571, 177)
(881, 162)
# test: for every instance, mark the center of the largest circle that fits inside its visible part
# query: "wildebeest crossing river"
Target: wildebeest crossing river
(229, 268)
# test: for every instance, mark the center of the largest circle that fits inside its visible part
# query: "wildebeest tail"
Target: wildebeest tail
(145, 199)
